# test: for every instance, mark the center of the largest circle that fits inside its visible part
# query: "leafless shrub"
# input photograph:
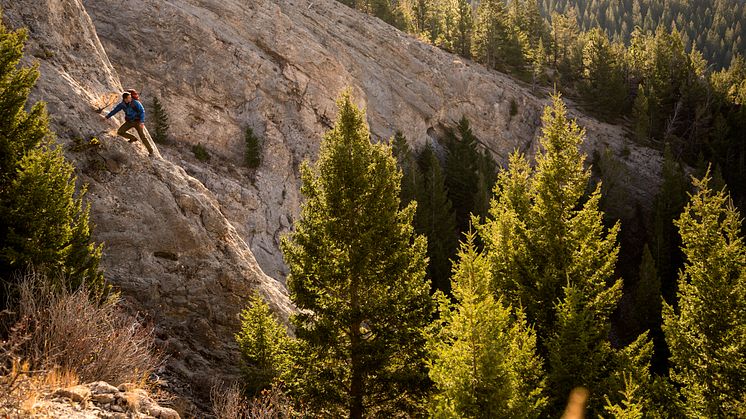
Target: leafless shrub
(94, 341)
(227, 401)
(273, 403)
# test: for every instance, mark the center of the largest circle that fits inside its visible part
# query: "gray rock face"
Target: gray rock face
(168, 246)
(278, 65)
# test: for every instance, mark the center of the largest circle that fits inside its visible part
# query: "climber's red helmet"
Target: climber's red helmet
(134, 94)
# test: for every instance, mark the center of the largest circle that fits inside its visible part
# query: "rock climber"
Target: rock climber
(134, 117)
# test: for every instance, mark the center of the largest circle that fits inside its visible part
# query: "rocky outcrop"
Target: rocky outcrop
(101, 400)
(168, 247)
(278, 65)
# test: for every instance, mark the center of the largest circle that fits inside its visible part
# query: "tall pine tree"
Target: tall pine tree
(357, 274)
(491, 33)
(470, 174)
(551, 254)
(44, 223)
(410, 172)
(668, 205)
(436, 220)
(483, 357)
(707, 333)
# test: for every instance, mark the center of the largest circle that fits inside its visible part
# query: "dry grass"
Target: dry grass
(272, 403)
(60, 339)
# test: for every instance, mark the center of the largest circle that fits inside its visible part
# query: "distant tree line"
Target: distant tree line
(715, 27)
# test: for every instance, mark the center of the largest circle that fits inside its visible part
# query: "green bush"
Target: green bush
(264, 345)
(200, 152)
(513, 108)
(253, 156)
(160, 122)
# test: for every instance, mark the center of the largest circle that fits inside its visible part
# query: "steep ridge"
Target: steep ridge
(168, 247)
(278, 65)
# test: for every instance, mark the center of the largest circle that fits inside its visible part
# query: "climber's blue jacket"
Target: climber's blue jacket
(132, 112)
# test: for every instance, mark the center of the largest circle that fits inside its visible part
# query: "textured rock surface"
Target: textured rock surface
(100, 400)
(278, 65)
(168, 247)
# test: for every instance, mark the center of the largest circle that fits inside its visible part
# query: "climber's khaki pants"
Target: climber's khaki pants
(136, 125)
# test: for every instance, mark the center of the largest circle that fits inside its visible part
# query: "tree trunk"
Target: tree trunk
(356, 380)
(356, 374)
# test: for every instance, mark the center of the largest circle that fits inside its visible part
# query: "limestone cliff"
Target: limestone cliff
(279, 65)
(168, 246)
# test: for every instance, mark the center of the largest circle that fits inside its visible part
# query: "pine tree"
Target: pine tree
(436, 220)
(357, 274)
(648, 294)
(464, 28)
(410, 171)
(264, 344)
(44, 223)
(551, 254)
(483, 358)
(469, 173)
(641, 115)
(604, 83)
(631, 406)
(490, 33)
(538, 57)
(668, 205)
(253, 154)
(160, 122)
(565, 34)
(707, 334)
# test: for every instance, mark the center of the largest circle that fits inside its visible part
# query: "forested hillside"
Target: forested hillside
(715, 27)
(624, 63)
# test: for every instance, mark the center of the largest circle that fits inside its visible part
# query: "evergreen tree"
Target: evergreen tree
(357, 275)
(43, 221)
(410, 172)
(648, 294)
(604, 82)
(669, 204)
(264, 345)
(551, 254)
(160, 122)
(464, 29)
(470, 175)
(538, 57)
(707, 334)
(483, 358)
(641, 115)
(631, 406)
(491, 33)
(568, 57)
(435, 219)
(253, 154)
